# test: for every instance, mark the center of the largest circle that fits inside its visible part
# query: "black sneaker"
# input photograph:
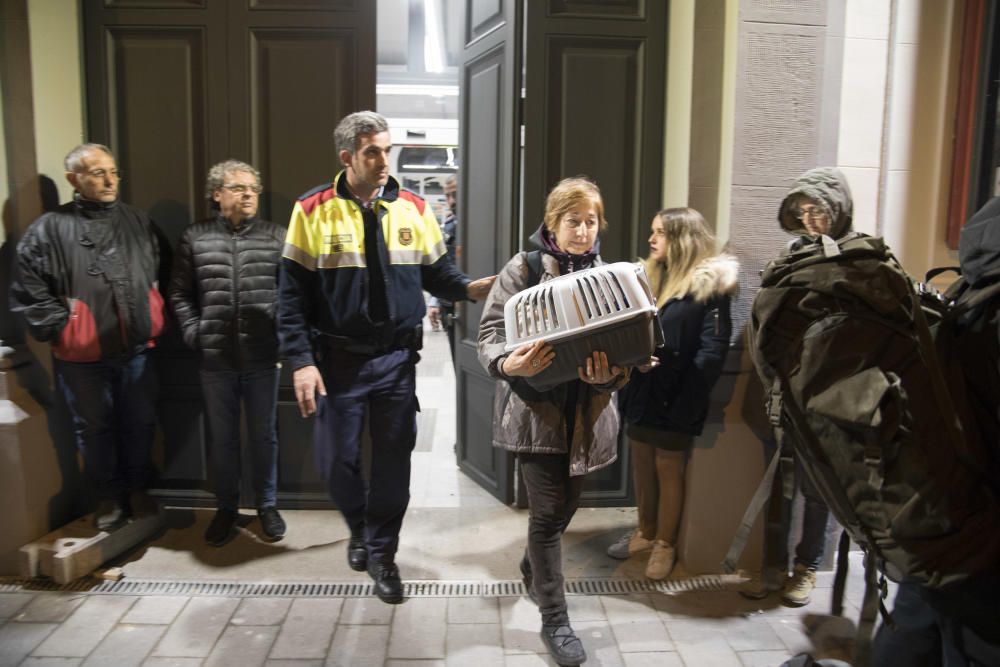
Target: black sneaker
(388, 586)
(271, 523)
(563, 644)
(223, 528)
(109, 514)
(357, 553)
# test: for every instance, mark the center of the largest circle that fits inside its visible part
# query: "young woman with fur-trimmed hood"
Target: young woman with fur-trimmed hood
(665, 407)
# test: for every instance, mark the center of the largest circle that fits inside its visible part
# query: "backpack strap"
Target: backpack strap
(840, 578)
(760, 496)
(533, 258)
(875, 591)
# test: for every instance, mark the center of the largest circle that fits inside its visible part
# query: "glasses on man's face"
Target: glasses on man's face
(102, 173)
(814, 213)
(240, 189)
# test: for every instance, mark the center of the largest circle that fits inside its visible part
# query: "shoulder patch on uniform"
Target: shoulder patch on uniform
(417, 200)
(313, 198)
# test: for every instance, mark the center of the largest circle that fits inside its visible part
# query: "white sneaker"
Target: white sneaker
(798, 589)
(629, 545)
(661, 560)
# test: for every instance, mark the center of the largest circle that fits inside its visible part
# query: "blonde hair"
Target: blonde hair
(688, 243)
(567, 195)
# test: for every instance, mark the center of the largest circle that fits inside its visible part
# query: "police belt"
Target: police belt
(408, 339)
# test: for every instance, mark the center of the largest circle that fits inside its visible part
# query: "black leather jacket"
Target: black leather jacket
(224, 292)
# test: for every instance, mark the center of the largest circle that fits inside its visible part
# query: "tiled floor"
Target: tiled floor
(454, 532)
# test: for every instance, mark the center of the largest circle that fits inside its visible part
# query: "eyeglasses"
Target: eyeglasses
(239, 188)
(814, 212)
(101, 173)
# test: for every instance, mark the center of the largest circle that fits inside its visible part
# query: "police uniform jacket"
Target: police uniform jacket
(324, 288)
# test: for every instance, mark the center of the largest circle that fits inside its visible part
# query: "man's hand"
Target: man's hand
(307, 382)
(479, 289)
(434, 315)
(596, 370)
(528, 360)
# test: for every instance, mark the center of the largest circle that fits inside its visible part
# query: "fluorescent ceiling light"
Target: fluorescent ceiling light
(433, 46)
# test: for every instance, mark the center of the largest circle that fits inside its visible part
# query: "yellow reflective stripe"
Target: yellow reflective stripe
(435, 253)
(342, 260)
(300, 237)
(405, 256)
(299, 256)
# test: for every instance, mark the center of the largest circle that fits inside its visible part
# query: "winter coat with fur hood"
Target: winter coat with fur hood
(674, 396)
(534, 422)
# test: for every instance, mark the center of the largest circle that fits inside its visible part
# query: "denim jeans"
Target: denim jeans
(809, 551)
(553, 498)
(223, 391)
(113, 403)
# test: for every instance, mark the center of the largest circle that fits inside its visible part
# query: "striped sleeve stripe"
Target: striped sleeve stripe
(299, 256)
(405, 257)
(342, 260)
(434, 253)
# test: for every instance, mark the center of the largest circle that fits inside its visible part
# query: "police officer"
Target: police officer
(358, 253)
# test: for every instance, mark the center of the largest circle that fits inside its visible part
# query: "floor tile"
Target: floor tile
(477, 644)
(358, 646)
(763, 658)
(308, 628)
(520, 624)
(77, 636)
(366, 611)
(17, 640)
(11, 603)
(418, 629)
(414, 663)
(243, 645)
(197, 628)
(657, 659)
(155, 609)
(261, 611)
(599, 642)
(49, 608)
(126, 645)
(529, 660)
(49, 661)
(162, 661)
(473, 610)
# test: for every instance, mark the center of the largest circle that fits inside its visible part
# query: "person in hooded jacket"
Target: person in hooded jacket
(665, 407)
(223, 291)
(562, 434)
(818, 204)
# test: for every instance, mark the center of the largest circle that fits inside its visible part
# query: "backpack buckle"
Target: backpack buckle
(774, 404)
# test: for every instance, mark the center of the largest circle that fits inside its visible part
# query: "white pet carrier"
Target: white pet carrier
(607, 308)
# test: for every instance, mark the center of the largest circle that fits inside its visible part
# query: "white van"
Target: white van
(424, 154)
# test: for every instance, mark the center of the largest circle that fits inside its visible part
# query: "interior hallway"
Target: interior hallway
(296, 602)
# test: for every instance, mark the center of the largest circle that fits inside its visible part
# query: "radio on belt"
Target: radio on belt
(607, 308)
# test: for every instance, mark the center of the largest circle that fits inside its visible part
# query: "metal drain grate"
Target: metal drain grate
(412, 589)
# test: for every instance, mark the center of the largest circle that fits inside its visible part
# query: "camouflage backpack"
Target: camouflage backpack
(855, 388)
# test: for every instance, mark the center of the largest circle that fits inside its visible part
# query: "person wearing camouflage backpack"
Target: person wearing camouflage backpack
(841, 342)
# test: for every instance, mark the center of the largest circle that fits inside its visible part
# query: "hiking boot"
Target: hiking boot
(357, 553)
(109, 514)
(141, 504)
(527, 579)
(223, 527)
(629, 545)
(388, 586)
(563, 644)
(661, 560)
(761, 586)
(271, 523)
(799, 587)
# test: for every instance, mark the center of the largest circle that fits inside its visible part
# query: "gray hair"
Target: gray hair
(74, 159)
(217, 175)
(352, 126)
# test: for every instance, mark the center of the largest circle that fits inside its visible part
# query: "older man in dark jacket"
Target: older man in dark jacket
(86, 282)
(223, 291)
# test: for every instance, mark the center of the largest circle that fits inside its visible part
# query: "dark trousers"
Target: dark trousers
(224, 391)
(386, 386)
(943, 628)
(816, 514)
(113, 404)
(553, 497)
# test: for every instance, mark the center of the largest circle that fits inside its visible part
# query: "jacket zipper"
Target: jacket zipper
(715, 314)
(236, 302)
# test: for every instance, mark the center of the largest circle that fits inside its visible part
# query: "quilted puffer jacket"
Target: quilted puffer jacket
(224, 292)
